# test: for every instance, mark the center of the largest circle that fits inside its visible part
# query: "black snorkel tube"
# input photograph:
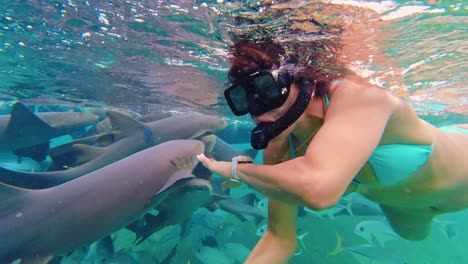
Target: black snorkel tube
(266, 131)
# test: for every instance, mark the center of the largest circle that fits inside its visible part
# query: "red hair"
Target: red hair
(312, 60)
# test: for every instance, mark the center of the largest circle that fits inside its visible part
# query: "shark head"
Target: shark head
(215, 123)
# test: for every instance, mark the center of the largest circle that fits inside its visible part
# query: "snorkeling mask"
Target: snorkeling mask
(259, 93)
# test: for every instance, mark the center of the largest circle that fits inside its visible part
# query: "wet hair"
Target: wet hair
(250, 56)
(287, 36)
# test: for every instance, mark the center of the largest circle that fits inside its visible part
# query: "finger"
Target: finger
(200, 157)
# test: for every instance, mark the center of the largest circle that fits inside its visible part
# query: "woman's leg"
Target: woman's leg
(410, 224)
(460, 128)
(464, 126)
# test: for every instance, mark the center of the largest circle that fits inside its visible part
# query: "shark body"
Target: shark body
(36, 224)
(27, 134)
(131, 136)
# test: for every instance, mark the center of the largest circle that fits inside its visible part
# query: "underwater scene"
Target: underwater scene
(104, 106)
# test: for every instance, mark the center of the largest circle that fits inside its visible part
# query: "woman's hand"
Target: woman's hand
(222, 168)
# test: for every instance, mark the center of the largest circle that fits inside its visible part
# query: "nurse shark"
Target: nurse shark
(27, 134)
(131, 136)
(37, 224)
(177, 208)
(65, 156)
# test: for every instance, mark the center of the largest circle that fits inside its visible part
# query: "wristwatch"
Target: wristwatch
(237, 160)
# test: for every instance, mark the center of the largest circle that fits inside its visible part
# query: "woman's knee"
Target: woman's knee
(412, 232)
(409, 224)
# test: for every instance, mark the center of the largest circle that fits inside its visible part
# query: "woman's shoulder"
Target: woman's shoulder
(355, 88)
(356, 83)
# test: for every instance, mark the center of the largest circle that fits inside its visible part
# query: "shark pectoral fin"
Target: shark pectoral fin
(124, 123)
(26, 129)
(176, 177)
(229, 184)
(84, 153)
(214, 198)
(37, 259)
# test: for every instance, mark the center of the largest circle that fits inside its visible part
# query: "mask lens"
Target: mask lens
(266, 87)
(257, 94)
(237, 100)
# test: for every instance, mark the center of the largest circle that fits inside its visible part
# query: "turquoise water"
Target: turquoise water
(171, 57)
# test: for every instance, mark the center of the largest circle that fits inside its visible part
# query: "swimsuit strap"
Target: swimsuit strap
(327, 100)
(292, 148)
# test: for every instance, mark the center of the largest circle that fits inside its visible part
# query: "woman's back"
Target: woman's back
(403, 126)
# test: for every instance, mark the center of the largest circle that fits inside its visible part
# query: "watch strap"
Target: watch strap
(236, 160)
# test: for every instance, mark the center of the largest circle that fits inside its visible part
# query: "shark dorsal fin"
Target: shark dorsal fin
(22, 121)
(124, 123)
(85, 153)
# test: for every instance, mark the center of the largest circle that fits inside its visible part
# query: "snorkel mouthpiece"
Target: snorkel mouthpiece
(261, 136)
(264, 132)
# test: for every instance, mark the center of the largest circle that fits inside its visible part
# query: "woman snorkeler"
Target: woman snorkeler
(327, 132)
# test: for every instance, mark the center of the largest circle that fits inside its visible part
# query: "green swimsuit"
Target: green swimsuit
(395, 162)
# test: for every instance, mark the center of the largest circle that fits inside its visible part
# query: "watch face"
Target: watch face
(244, 159)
